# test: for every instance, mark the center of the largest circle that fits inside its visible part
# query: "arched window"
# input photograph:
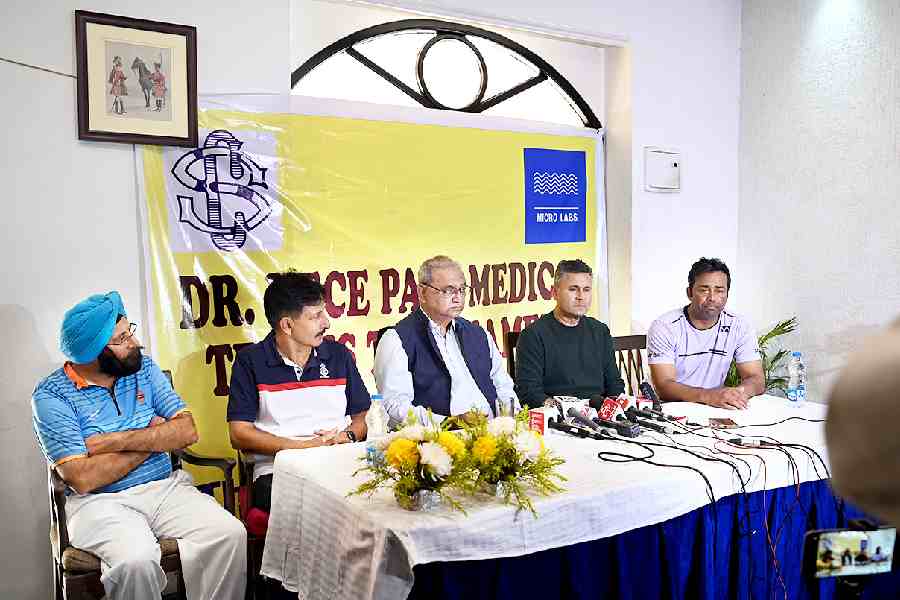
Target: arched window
(443, 65)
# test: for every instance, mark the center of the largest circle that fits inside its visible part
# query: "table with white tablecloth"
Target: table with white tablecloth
(324, 544)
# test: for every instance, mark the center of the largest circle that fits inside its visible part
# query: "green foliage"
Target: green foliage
(775, 380)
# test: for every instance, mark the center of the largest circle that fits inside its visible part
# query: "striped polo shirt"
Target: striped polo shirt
(701, 357)
(66, 410)
(280, 398)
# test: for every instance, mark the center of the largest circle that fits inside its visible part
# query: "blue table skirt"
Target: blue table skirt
(714, 553)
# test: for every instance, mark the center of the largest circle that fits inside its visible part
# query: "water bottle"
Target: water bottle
(796, 390)
(376, 427)
(376, 418)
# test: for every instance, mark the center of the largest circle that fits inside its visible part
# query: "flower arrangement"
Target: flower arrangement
(417, 460)
(501, 456)
(509, 459)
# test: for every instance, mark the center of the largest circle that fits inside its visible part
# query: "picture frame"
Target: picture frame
(136, 80)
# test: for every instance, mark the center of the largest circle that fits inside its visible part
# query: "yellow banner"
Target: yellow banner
(360, 203)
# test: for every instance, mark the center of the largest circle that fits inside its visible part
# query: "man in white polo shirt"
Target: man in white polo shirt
(690, 349)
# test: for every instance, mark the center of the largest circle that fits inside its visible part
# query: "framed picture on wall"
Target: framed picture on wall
(137, 80)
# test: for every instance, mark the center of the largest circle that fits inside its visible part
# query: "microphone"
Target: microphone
(632, 416)
(581, 432)
(607, 408)
(648, 392)
(568, 428)
(646, 413)
(660, 416)
(623, 428)
(581, 419)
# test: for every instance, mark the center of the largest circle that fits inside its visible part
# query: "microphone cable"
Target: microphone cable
(794, 418)
(771, 540)
(620, 457)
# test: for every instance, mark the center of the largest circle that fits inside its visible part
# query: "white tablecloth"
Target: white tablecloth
(323, 545)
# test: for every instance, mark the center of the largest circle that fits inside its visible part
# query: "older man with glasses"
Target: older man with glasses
(106, 421)
(434, 359)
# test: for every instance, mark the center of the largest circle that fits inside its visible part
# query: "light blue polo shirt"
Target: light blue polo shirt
(66, 410)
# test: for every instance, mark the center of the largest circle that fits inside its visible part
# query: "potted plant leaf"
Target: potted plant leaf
(775, 376)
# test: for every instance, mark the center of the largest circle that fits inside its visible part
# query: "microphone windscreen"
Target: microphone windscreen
(648, 391)
(608, 409)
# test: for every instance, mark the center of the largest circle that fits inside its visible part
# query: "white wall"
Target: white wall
(819, 173)
(70, 223)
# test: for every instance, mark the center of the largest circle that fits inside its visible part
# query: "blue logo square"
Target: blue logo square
(555, 196)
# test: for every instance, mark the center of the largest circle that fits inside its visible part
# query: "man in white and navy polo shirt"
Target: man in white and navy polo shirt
(106, 421)
(690, 349)
(294, 389)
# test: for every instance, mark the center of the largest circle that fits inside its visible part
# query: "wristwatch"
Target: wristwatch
(350, 435)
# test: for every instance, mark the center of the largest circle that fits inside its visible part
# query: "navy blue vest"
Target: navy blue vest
(431, 379)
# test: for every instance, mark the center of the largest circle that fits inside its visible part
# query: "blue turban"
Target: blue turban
(88, 326)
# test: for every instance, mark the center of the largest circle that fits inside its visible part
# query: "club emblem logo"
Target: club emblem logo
(218, 174)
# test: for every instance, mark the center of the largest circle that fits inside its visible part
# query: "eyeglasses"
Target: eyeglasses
(449, 291)
(125, 336)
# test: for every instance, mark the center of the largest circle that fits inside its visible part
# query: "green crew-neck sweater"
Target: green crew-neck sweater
(553, 359)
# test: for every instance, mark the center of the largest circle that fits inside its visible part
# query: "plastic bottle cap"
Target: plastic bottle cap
(795, 353)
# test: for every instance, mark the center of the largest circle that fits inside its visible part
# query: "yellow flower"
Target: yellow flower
(402, 454)
(452, 444)
(485, 448)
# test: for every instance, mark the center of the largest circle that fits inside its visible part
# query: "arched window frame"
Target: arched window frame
(443, 30)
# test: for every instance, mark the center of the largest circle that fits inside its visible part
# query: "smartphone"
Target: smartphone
(722, 423)
(848, 552)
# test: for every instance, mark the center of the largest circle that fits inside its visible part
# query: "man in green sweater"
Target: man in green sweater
(565, 353)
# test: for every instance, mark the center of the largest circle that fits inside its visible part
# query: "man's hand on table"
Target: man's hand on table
(732, 398)
(331, 436)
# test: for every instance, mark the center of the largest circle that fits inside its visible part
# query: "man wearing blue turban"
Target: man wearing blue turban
(106, 421)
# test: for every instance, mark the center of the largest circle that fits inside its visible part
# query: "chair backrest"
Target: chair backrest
(378, 337)
(245, 484)
(509, 348)
(59, 535)
(630, 360)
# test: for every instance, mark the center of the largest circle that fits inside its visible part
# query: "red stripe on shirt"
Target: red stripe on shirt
(295, 385)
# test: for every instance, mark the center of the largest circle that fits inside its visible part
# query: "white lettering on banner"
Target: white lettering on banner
(548, 217)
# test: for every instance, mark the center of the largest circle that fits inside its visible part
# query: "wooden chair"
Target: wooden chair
(76, 573)
(630, 361)
(509, 348)
(256, 521)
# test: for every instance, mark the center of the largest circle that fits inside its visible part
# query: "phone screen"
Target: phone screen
(846, 553)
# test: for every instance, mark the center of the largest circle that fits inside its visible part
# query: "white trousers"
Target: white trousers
(122, 528)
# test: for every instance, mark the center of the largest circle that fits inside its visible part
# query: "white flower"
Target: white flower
(436, 458)
(415, 433)
(501, 426)
(528, 444)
